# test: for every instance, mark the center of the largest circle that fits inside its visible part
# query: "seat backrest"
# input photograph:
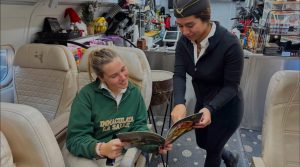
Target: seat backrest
(45, 77)
(29, 136)
(281, 128)
(136, 62)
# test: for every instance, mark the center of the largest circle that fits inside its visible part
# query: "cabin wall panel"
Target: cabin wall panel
(14, 24)
(20, 23)
(32, 20)
(223, 11)
(43, 11)
(13, 32)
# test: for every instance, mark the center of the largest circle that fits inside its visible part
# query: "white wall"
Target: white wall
(20, 23)
(14, 24)
(222, 11)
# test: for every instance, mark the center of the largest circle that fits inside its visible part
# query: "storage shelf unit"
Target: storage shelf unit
(285, 2)
(280, 19)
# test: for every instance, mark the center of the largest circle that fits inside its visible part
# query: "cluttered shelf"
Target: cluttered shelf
(281, 30)
(276, 32)
(283, 12)
(284, 2)
(293, 39)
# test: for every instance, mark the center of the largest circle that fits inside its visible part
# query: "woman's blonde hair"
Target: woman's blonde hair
(97, 59)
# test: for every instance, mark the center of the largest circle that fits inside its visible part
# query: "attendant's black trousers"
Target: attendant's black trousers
(224, 123)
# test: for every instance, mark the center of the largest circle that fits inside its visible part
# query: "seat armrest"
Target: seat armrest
(130, 157)
(59, 127)
(257, 162)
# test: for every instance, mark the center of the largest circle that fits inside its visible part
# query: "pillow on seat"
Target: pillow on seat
(6, 155)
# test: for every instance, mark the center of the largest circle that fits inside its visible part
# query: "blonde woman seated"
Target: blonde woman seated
(103, 108)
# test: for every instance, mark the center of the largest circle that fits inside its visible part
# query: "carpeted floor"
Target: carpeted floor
(251, 140)
(186, 152)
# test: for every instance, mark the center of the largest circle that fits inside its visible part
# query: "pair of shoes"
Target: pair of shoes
(232, 160)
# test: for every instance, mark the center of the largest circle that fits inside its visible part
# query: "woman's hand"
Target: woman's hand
(165, 148)
(112, 149)
(178, 112)
(204, 120)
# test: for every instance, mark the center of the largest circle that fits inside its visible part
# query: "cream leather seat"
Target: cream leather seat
(140, 72)
(27, 140)
(281, 128)
(30, 140)
(45, 78)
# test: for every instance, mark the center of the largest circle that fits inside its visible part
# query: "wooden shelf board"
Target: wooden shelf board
(285, 2)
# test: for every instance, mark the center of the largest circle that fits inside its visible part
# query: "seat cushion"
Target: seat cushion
(50, 85)
(6, 155)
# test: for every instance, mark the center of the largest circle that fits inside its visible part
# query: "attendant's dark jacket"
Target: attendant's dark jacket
(217, 74)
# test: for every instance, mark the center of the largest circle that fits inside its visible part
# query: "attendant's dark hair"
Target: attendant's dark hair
(204, 15)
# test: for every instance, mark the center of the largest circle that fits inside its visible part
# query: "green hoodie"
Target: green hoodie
(95, 117)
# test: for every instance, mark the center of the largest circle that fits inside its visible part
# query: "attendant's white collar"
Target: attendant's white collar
(104, 86)
(210, 34)
(204, 43)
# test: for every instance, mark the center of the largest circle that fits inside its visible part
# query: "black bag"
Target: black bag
(51, 25)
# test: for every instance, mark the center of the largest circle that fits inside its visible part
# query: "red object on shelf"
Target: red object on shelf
(168, 22)
(73, 15)
(79, 53)
(246, 24)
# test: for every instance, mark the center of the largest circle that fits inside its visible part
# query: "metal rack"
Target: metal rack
(277, 24)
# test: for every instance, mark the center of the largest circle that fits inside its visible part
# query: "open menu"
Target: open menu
(151, 140)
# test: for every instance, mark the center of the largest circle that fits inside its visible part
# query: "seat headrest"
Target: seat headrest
(284, 83)
(44, 56)
(130, 56)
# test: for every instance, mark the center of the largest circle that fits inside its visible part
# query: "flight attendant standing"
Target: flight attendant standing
(213, 57)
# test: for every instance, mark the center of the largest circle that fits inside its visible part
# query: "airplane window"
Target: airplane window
(6, 58)
(4, 64)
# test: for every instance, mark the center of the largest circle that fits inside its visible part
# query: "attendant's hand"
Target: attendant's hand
(205, 120)
(178, 112)
(112, 149)
(165, 148)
